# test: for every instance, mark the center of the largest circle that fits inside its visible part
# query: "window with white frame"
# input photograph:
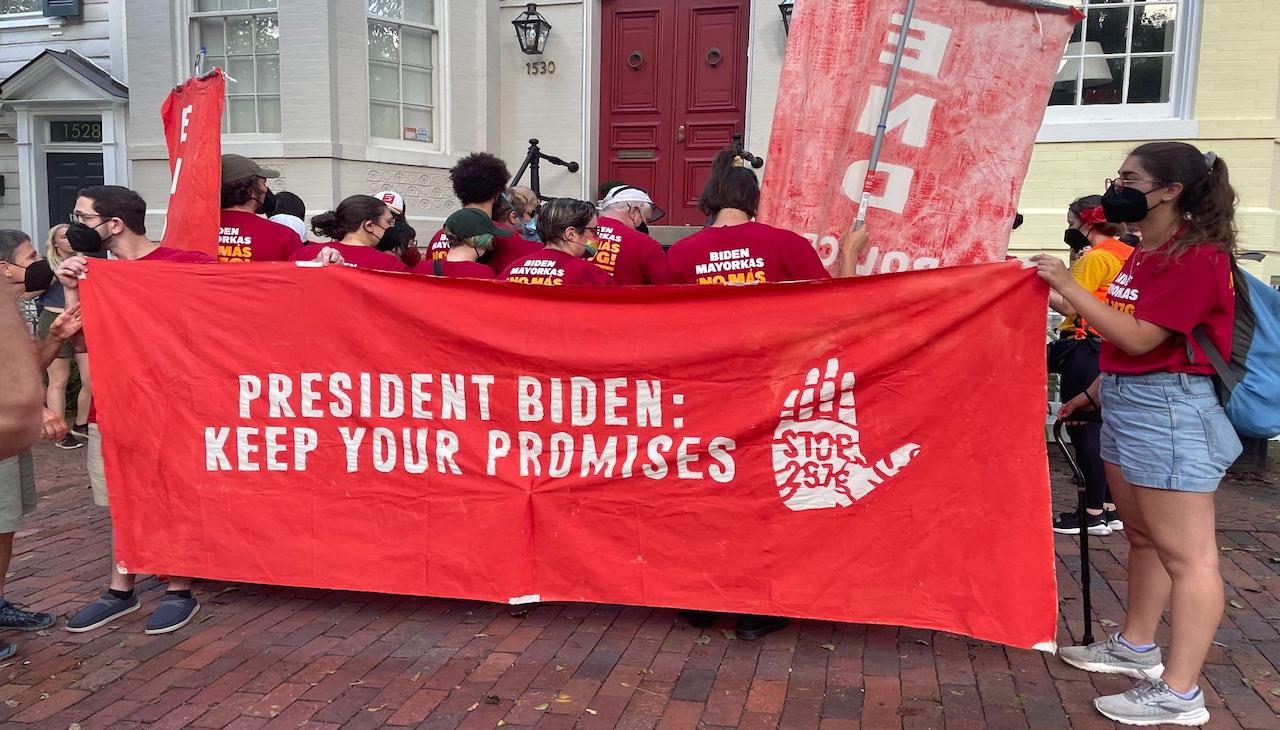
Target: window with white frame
(1127, 59)
(13, 7)
(242, 37)
(404, 53)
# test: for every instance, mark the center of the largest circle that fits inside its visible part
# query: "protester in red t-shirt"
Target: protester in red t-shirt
(478, 179)
(568, 227)
(356, 226)
(735, 250)
(243, 235)
(471, 235)
(631, 256)
(1166, 441)
(511, 211)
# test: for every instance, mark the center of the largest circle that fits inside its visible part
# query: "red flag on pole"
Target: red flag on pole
(192, 117)
(694, 447)
(971, 94)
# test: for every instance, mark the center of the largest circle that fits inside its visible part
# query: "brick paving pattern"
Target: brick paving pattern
(264, 657)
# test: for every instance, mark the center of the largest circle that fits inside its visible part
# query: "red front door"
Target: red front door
(673, 91)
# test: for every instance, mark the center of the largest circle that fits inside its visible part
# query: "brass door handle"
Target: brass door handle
(680, 133)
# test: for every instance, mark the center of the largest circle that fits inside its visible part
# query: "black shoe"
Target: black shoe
(750, 628)
(699, 619)
(82, 429)
(1113, 519)
(1068, 523)
(13, 618)
(70, 442)
(7, 650)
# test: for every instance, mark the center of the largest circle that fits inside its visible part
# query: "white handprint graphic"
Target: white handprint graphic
(816, 458)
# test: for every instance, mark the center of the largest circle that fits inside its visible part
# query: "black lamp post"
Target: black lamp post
(532, 30)
(785, 7)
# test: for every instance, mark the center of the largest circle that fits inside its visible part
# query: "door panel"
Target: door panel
(67, 173)
(673, 93)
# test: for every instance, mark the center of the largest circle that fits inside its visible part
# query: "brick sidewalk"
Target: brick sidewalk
(283, 658)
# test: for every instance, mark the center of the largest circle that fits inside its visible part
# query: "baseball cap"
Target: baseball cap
(393, 200)
(470, 222)
(239, 167)
(629, 194)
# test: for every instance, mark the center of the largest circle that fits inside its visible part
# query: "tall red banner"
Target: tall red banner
(970, 98)
(879, 459)
(192, 116)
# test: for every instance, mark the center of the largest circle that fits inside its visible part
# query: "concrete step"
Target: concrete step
(667, 235)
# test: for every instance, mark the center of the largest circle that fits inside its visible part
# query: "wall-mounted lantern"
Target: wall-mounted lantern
(532, 30)
(785, 7)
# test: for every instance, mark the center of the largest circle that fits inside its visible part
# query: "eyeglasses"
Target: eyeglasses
(1119, 182)
(595, 230)
(81, 218)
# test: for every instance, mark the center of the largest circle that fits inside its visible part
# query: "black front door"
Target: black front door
(68, 172)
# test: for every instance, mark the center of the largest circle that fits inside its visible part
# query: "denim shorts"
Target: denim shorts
(1167, 431)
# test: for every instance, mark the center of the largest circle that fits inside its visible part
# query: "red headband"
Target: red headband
(1093, 216)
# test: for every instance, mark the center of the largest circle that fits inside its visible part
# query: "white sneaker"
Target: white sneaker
(1113, 657)
(1151, 702)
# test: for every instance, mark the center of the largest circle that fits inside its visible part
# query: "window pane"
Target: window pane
(235, 4)
(416, 47)
(417, 86)
(384, 42)
(384, 81)
(241, 112)
(1149, 79)
(210, 32)
(384, 120)
(419, 118)
(1154, 28)
(387, 8)
(269, 114)
(420, 11)
(211, 61)
(208, 6)
(268, 75)
(1108, 27)
(240, 69)
(239, 35)
(267, 38)
(1103, 85)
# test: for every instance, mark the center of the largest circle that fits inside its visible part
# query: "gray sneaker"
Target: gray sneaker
(1151, 702)
(172, 613)
(1112, 657)
(101, 612)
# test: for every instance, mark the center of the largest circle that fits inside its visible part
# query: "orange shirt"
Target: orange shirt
(1094, 271)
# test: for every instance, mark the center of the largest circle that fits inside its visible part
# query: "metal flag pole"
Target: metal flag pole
(874, 162)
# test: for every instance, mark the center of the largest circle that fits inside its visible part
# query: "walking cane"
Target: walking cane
(1082, 515)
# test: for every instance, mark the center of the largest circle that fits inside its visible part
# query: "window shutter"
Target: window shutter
(62, 8)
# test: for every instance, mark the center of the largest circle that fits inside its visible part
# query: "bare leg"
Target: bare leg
(1183, 528)
(6, 554)
(56, 394)
(1149, 583)
(86, 389)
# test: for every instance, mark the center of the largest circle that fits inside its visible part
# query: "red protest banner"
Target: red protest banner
(696, 447)
(970, 97)
(192, 115)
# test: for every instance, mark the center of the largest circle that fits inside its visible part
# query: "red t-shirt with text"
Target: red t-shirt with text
(551, 267)
(456, 269)
(631, 256)
(1177, 293)
(507, 249)
(439, 246)
(748, 253)
(244, 238)
(362, 257)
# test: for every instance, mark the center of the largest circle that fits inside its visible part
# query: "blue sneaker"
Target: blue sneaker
(101, 612)
(7, 649)
(173, 613)
(15, 618)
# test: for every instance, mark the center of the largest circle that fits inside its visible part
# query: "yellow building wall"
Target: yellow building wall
(1237, 105)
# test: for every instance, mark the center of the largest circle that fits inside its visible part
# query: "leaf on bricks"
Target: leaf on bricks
(473, 706)
(592, 712)
(491, 699)
(356, 683)
(417, 676)
(729, 634)
(379, 708)
(922, 642)
(502, 723)
(560, 667)
(702, 640)
(479, 636)
(74, 726)
(542, 706)
(1275, 691)
(12, 703)
(563, 699)
(957, 693)
(829, 647)
(1235, 604)
(1108, 623)
(1226, 549)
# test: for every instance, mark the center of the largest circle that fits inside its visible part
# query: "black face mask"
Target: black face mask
(84, 239)
(268, 207)
(643, 228)
(1075, 239)
(39, 276)
(396, 237)
(1124, 205)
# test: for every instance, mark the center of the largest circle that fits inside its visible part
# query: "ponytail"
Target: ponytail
(730, 186)
(349, 216)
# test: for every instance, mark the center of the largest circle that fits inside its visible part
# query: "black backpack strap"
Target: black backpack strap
(437, 266)
(1225, 374)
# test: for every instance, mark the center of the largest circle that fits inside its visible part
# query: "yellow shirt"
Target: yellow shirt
(1094, 271)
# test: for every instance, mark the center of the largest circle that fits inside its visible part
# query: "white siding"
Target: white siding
(89, 35)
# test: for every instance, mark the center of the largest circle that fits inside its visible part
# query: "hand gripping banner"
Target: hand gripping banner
(192, 116)
(826, 450)
(971, 92)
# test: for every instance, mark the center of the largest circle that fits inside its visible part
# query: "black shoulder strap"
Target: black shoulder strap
(1229, 377)
(437, 266)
